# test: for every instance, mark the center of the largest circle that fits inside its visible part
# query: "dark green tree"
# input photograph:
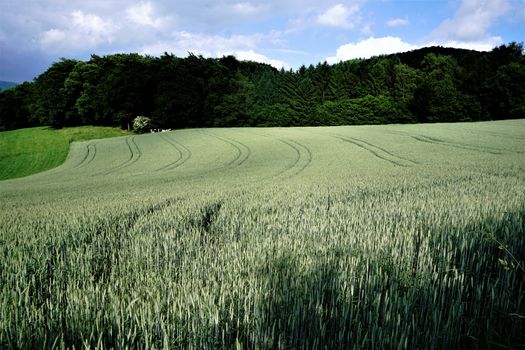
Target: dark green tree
(49, 103)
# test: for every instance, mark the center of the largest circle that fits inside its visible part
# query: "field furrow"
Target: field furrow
(180, 158)
(439, 142)
(380, 149)
(243, 152)
(91, 153)
(374, 151)
(302, 158)
(134, 155)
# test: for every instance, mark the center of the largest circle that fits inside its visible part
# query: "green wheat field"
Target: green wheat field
(355, 237)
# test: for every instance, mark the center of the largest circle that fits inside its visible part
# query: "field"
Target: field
(28, 151)
(397, 236)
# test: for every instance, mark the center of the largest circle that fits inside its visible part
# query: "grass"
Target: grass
(400, 236)
(28, 151)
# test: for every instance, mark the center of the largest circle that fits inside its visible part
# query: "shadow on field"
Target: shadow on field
(464, 288)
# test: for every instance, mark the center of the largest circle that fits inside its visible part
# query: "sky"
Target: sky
(283, 33)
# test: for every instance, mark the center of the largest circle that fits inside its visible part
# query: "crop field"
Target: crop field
(369, 237)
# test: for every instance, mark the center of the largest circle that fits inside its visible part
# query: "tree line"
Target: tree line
(427, 85)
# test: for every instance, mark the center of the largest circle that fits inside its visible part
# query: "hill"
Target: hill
(6, 85)
(350, 237)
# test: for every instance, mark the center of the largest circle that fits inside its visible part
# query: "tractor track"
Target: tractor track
(134, 156)
(91, 152)
(184, 154)
(369, 149)
(243, 152)
(434, 141)
(303, 153)
(457, 145)
(386, 151)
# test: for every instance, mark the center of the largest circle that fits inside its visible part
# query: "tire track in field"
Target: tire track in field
(497, 135)
(436, 141)
(477, 132)
(91, 152)
(375, 151)
(184, 154)
(303, 160)
(503, 136)
(243, 152)
(386, 151)
(134, 155)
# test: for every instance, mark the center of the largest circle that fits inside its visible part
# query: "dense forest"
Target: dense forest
(427, 85)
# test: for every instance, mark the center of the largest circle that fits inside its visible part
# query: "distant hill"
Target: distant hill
(6, 84)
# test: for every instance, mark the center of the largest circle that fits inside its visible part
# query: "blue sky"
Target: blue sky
(283, 33)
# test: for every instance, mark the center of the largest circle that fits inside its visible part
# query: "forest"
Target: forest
(433, 84)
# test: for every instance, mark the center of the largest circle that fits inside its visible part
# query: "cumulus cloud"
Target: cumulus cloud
(247, 9)
(370, 47)
(51, 37)
(397, 22)
(485, 44)
(142, 14)
(340, 16)
(251, 55)
(389, 45)
(182, 42)
(242, 46)
(81, 30)
(247, 28)
(471, 21)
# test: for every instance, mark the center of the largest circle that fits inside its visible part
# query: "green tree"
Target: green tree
(49, 101)
(510, 88)
(437, 98)
(404, 84)
(14, 112)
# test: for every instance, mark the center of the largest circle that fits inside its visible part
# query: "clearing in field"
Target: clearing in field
(397, 236)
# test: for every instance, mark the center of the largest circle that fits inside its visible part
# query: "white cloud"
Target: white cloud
(241, 46)
(370, 47)
(142, 14)
(340, 16)
(389, 45)
(471, 21)
(251, 55)
(486, 44)
(80, 31)
(247, 9)
(183, 42)
(397, 22)
(51, 37)
(91, 25)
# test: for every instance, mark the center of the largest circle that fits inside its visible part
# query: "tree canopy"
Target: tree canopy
(427, 85)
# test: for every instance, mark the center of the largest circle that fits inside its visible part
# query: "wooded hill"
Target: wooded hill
(432, 84)
(6, 84)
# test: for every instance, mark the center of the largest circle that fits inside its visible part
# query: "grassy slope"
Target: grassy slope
(28, 151)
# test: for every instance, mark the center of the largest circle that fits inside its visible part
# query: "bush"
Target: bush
(141, 124)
